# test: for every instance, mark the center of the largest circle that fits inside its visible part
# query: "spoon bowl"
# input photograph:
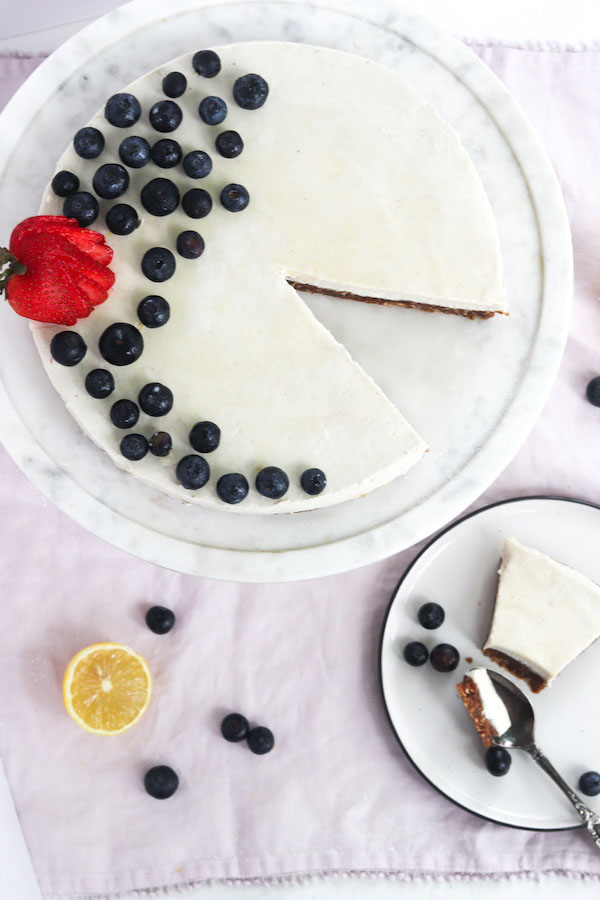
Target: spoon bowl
(520, 713)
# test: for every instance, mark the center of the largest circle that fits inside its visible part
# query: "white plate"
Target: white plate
(472, 389)
(458, 569)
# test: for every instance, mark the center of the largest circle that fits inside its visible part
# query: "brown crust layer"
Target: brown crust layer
(535, 681)
(410, 304)
(469, 694)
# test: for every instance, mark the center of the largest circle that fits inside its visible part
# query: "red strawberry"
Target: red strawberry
(57, 270)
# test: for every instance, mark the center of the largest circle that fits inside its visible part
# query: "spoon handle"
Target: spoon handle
(590, 819)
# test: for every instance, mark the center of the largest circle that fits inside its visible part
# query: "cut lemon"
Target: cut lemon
(107, 688)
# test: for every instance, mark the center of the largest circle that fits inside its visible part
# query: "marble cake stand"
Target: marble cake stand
(472, 389)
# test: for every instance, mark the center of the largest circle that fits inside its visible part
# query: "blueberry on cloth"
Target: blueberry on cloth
(122, 110)
(593, 391)
(250, 91)
(82, 206)
(124, 414)
(153, 311)
(161, 782)
(205, 437)
(159, 619)
(232, 488)
(174, 84)
(134, 446)
(206, 63)
(192, 472)
(415, 653)
(68, 348)
(65, 183)
(212, 110)
(234, 727)
(234, 197)
(313, 481)
(155, 399)
(122, 219)
(99, 383)
(121, 344)
(260, 740)
(88, 142)
(158, 264)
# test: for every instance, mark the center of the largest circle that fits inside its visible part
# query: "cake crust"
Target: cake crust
(535, 681)
(470, 696)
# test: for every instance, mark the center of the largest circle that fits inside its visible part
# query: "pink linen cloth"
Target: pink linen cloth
(337, 793)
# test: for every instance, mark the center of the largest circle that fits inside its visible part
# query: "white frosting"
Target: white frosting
(493, 709)
(356, 184)
(546, 613)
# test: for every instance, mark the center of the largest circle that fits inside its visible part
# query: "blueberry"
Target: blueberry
(153, 311)
(124, 413)
(260, 740)
(122, 110)
(444, 658)
(155, 399)
(134, 446)
(415, 653)
(158, 264)
(272, 482)
(205, 437)
(159, 619)
(313, 481)
(234, 727)
(206, 63)
(165, 116)
(99, 383)
(232, 488)
(234, 197)
(431, 615)
(161, 782)
(190, 244)
(197, 164)
(110, 181)
(229, 144)
(121, 344)
(250, 91)
(192, 472)
(160, 197)
(166, 153)
(212, 110)
(497, 760)
(122, 219)
(174, 84)
(82, 206)
(196, 203)
(160, 443)
(593, 391)
(65, 183)
(88, 142)
(589, 784)
(68, 348)
(134, 151)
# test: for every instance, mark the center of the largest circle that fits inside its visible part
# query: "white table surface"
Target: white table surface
(575, 23)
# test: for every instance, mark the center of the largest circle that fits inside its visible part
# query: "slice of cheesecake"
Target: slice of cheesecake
(488, 713)
(546, 614)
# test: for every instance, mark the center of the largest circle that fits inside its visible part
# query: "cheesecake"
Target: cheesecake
(484, 706)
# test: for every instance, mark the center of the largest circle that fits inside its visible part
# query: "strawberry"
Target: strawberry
(56, 271)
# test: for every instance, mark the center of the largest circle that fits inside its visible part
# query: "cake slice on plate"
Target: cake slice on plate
(487, 711)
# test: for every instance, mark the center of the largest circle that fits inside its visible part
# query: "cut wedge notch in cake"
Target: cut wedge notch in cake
(545, 615)
(486, 709)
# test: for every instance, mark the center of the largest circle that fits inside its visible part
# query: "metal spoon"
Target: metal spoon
(519, 736)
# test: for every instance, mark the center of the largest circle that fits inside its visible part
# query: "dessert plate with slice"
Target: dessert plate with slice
(554, 543)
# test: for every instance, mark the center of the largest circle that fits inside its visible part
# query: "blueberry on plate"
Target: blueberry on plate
(190, 244)
(134, 151)
(160, 443)
(160, 197)
(174, 84)
(121, 344)
(196, 203)
(234, 197)
(205, 437)
(250, 91)
(589, 784)
(313, 481)
(122, 110)
(165, 116)
(232, 488)
(124, 414)
(593, 391)
(156, 399)
(82, 206)
(260, 740)
(68, 348)
(99, 383)
(65, 183)
(88, 142)
(166, 153)
(158, 264)
(159, 619)
(444, 658)
(122, 219)
(415, 653)
(153, 311)
(234, 727)
(497, 760)
(212, 110)
(197, 164)
(161, 782)
(110, 181)
(134, 446)
(431, 615)
(272, 482)
(206, 63)
(229, 144)
(192, 472)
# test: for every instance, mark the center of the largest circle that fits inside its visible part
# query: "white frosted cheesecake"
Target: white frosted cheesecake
(348, 183)
(486, 709)
(545, 615)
